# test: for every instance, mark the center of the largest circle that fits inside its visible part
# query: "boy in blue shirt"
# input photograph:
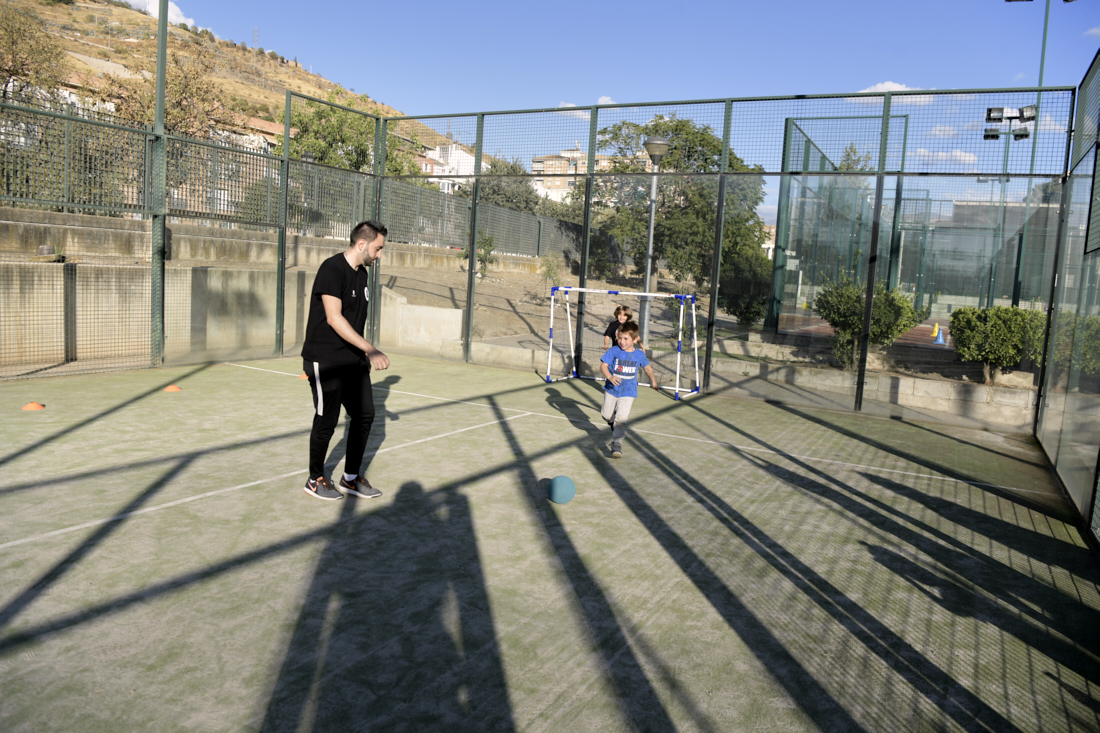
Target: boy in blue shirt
(620, 365)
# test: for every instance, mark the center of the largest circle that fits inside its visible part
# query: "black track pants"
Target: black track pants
(333, 386)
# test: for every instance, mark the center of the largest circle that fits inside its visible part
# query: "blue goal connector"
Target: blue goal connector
(554, 289)
(676, 397)
(612, 292)
(548, 379)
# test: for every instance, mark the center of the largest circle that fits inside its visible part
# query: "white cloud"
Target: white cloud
(175, 15)
(768, 213)
(580, 114)
(605, 100)
(1046, 122)
(943, 131)
(893, 86)
(1093, 31)
(1019, 77)
(941, 157)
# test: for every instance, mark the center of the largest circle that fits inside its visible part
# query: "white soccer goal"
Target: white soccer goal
(667, 322)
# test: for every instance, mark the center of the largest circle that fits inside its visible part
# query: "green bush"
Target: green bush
(998, 337)
(485, 256)
(841, 302)
(745, 283)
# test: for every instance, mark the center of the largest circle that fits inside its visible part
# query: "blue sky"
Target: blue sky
(445, 57)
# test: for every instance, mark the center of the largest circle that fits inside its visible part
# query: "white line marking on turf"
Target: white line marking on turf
(177, 502)
(712, 442)
(272, 371)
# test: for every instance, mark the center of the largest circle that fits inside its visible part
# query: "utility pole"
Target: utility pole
(255, 44)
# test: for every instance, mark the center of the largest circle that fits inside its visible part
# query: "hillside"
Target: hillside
(110, 37)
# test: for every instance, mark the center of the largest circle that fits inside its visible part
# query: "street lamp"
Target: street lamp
(656, 146)
(1000, 115)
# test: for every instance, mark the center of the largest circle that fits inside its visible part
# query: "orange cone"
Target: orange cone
(172, 388)
(34, 406)
(303, 376)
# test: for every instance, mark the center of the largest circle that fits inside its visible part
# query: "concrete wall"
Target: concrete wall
(418, 329)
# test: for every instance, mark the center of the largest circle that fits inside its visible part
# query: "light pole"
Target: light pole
(656, 146)
(999, 115)
(1016, 287)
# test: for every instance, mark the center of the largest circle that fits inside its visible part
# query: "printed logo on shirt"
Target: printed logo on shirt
(628, 369)
(353, 292)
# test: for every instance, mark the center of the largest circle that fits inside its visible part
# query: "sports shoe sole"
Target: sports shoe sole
(616, 453)
(347, 491)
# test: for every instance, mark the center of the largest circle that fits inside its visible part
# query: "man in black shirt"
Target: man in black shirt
(337, 360)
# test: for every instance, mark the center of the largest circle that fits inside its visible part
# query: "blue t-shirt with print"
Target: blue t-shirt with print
(626, 365)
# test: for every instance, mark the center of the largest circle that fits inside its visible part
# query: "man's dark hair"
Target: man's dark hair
(367, 231)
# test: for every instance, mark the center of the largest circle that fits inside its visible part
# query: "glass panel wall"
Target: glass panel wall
(1067, 425)
(952, 252)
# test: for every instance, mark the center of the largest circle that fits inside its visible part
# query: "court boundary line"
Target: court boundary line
(216, 492)
(711, 442)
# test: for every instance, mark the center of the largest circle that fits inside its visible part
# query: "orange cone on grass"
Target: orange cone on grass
(34, 406)
(172, 388)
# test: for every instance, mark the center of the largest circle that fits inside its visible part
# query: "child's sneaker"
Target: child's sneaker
(616, 450)
(321, 488)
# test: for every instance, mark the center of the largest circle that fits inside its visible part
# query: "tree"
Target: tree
(686, 204)
(191, 98)
(344, 139)
(997, 337)
(31, 60)
(852, 160)
(841, 304)
(516, 194)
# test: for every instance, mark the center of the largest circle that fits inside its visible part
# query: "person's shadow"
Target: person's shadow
(396, 631)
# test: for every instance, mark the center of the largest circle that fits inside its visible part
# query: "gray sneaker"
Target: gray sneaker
(616, 450)
(321, 488)
(359, 487)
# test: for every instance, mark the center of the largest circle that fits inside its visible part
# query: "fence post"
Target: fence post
(280, 268)
(719, 233)
(381, 132)
(586, 237)
(471, 263)
(876, 222)
(66, 193)
(782, 228)
(160, 194)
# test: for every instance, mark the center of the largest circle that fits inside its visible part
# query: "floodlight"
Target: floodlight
(656, 146)
(307, 157)
(984, 179)
(1021, 133)
(992, 133)
(1027, 114)
(995, 114)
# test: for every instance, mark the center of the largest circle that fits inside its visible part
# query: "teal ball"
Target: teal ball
(561, 490)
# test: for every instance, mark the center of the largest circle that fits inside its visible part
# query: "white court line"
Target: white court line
(731, 445)
(177, 502)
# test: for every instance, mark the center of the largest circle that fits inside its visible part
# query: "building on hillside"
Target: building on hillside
(556, 175)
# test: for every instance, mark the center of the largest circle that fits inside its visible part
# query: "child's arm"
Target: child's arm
(606, 342)
(652, 379)
(608, 375)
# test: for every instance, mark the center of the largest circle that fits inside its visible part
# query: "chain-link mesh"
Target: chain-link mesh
(51, 160)
(1086, 131)
(219, 182)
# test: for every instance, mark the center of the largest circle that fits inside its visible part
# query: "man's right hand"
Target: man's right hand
(379, 361)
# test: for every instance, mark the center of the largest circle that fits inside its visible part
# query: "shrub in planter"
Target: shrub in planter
(998, 337)
(840, 303)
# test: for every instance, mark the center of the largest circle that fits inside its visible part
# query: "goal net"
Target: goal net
(580, 318)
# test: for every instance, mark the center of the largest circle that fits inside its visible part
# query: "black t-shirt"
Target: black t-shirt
(612, 330)
(336, 277)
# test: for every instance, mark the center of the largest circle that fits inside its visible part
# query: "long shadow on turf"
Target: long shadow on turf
(1062, 615)
(396, 631)
(638, 701)
(938, 687)
(61, 568)
(24, 450)
(914, 457)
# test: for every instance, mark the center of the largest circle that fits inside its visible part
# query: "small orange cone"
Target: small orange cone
(303, 376)
(34, 406)
(172, 388)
